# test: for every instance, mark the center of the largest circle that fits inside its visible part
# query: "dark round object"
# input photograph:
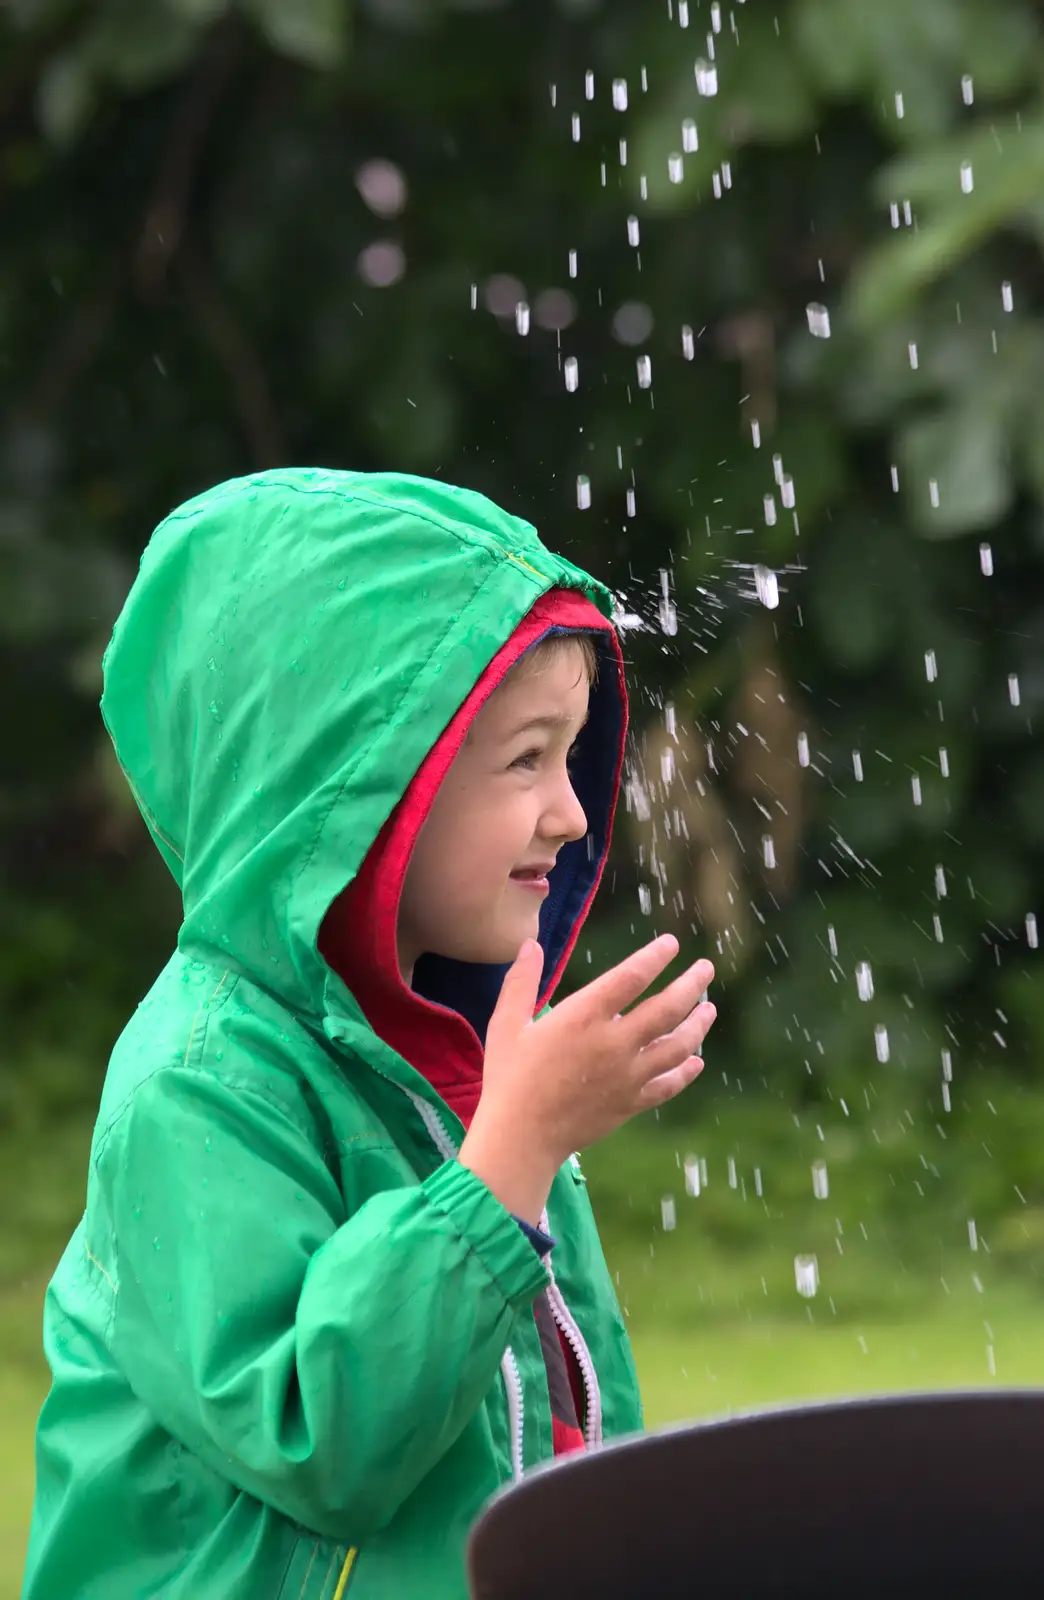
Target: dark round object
(922, 1495)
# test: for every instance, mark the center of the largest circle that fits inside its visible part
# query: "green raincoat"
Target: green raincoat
(292, 1339)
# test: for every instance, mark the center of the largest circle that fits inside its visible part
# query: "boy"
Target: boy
(309, 1322)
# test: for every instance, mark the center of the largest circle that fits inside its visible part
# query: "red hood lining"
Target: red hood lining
(439, 1025)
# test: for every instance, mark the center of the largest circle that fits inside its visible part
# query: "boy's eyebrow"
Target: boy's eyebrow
(550, 719)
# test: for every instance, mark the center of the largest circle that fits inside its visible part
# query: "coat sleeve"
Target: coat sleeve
(320, 1362)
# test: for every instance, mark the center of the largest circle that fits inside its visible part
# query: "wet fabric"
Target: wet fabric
(293, 1341)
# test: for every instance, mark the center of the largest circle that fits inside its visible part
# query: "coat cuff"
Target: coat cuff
(489, 1230)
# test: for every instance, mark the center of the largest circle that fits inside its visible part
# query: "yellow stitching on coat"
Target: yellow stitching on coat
(541, 575)
(308, 1570)
(202, 1007)
(147, 814)
(342, 1582)
(101, 1269)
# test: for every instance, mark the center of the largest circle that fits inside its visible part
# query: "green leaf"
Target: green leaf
(313, 31)
(199, 12)
(1007, 173)
(136, 47)
(65, 96)
(964, 452)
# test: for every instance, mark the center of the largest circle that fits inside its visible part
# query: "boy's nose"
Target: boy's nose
(573, 822)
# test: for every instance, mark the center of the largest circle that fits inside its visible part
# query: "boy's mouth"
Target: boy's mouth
(534, 878)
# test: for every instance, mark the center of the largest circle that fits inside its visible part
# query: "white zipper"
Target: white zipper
(508, 1365)
(569, 1326)
(516, 1409)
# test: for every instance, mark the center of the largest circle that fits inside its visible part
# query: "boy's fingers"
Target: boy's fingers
(668, 1084)
(622, 984)
(664, 1054)
(519, 991)
(663, 1012)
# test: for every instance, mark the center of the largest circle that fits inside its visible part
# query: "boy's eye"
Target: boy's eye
(529, 760)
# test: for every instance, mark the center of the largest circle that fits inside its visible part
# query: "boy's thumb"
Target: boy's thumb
(518, 993)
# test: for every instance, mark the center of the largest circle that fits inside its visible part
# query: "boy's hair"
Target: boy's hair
(541, 655)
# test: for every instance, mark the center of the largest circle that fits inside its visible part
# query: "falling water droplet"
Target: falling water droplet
(675, 168)
(768, 851)
(630, 502)
(706, 78)
(820, 1181)
(583, 491)
(973, 1235)
(931, 670)
(947, 1066)
(915, 789)
(715, 15)
(940, 882)
(769, 502)
(786, 493)
(766, 585)
(937, 929)
(986, 560)
(818, 320)
(911, 351)
(474, 297)
(933, 492)
(857, 766)
(522, 318)
(944, 761)
(645, 899)
(690, 136)
(802, 746)
(1014, 693)
(967, 177)
(1031, 930)
(692, 1176)
(688, 343)
(864, 981)
(967, 90)
(620, 94)
(900, 108)
(571, 373)
(576, 127)
(755, 433)
(733, 1180)
(895, 479)
(832, 939)
(668, 1213)
(881, 1044)
(644, 366)
(777, 468)
(806, 1276)
(633, 231)
(572, 263)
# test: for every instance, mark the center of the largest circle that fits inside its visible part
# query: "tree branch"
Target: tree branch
(164, 224)
(237, 355)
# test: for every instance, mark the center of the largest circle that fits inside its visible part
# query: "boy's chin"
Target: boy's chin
(497, 948)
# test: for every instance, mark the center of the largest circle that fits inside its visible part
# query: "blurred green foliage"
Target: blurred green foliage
(194, 231)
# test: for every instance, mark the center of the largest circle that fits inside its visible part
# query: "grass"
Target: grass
(706, 1369)
(904, 1301)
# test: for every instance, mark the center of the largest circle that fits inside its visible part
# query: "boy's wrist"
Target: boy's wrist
(516, 1174)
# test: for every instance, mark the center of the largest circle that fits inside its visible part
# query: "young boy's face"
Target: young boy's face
(476, 879)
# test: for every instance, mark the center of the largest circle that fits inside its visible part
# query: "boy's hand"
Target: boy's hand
(555, 1085)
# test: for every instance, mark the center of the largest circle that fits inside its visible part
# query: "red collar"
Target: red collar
(357, 938)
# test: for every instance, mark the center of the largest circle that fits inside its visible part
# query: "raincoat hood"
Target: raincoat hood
(296, 664)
